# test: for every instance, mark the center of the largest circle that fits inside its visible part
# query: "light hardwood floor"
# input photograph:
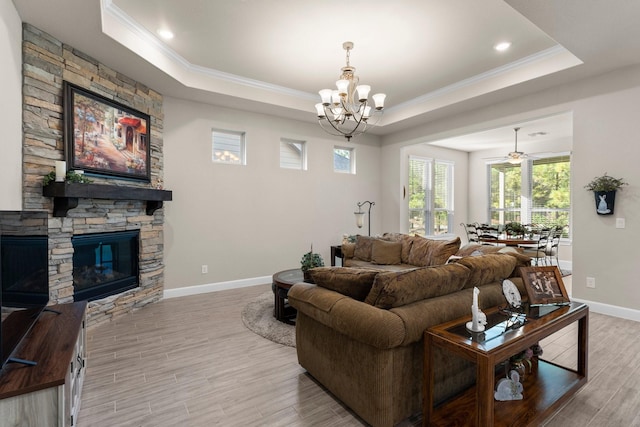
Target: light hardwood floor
(190, 361)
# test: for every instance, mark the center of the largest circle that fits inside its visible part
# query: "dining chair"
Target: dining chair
(539, 251)
(472, 231)
(552, 248)
(487, 233)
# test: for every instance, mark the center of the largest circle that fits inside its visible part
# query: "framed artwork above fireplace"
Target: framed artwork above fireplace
(105, 137)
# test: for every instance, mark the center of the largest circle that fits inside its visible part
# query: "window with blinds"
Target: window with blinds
(430, 196)
(228, 147)
(536, 191)
(293, 154)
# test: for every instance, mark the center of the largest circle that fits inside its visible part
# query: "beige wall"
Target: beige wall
(606, 125)
(10, 107)
(251, 221)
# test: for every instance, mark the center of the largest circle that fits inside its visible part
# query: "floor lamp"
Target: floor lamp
(360, 215)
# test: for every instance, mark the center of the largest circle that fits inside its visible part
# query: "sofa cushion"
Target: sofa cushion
(348, 250)
(426, 252)
(395, 289)
(386, 252)
(474, 249)
(405, 239)
(352, 282)
(363, 248)
(488, 268)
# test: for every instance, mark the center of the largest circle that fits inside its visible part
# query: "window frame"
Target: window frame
(303, 153)
(242, 146)
(429, 210)
(352, 159)
(526, 208)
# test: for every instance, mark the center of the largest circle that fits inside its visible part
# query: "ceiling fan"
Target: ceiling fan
(515, 157)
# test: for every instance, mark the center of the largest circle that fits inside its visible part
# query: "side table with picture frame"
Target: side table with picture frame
(545, 389)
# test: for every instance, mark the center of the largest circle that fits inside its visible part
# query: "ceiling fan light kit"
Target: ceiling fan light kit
(346, 111)
(516, 157)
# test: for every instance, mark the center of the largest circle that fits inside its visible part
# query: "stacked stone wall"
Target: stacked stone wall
(47, 63)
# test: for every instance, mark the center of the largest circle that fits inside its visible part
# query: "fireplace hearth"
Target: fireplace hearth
(104, 264)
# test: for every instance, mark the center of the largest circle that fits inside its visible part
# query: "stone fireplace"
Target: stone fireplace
(47, 62)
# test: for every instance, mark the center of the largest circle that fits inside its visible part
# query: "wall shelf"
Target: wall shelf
(65, 195)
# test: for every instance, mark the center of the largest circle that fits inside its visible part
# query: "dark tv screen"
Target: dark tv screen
(24, 276)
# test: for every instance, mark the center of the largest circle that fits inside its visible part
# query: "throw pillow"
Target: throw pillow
(352, 282)
(386, 253)
(488, 268)
(407, 242)
(363, 248)
(395, 289)
(427, 252)
(348, 250)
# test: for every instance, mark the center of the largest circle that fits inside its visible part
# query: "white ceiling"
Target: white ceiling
(430, 57)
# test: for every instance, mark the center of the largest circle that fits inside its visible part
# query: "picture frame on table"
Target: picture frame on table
(105, 137)
(544, 286)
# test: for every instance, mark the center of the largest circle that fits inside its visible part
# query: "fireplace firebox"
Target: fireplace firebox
(104, 264)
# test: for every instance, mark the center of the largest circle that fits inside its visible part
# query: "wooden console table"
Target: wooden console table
(545, 389)
(47, 394)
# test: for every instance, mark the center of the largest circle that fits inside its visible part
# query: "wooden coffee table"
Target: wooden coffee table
(545, 389)
(282, 282)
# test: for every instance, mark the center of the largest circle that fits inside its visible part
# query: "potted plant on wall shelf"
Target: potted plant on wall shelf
(604, 190)
(309, 261)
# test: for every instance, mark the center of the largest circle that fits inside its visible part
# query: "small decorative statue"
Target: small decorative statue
(478, 318)
(509, 388)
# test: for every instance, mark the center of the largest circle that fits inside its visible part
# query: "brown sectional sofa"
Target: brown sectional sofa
(397, 252)
(359, 332)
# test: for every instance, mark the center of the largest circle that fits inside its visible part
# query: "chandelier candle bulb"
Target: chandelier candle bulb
(343, 87)
(335, 97)
(325, 95)
(378, 99)
(363, 92)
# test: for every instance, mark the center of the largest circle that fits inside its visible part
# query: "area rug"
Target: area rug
(257, 316)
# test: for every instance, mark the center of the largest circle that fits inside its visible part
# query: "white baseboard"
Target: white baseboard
(611, 310)
(215, 287)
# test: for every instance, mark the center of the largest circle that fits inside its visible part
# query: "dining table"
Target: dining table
(517, 241)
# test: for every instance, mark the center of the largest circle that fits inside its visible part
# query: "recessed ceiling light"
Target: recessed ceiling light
(165, 34)
(502, 46)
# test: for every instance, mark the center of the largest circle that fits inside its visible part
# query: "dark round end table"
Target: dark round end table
(282, 282)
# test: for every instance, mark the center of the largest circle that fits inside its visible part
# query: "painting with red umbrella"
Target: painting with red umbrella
(105, 137)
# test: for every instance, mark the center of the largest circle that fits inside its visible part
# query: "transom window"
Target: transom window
(430, 196)
(534, 192)
(228, 147)
(344, 160)
(293, 154)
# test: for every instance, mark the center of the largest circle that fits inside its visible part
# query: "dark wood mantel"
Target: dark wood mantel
(66, 195)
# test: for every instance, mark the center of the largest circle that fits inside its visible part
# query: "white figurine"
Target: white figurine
(602, 205)
(478, 318)
(509, 388)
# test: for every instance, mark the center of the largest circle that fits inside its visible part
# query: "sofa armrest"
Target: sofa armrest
(355, 319)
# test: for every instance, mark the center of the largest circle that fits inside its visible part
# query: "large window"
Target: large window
(228, 147)
(430, 196)
(533, 192)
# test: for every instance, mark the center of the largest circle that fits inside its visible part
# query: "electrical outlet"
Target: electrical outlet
(205, 269)
(620, 223)
(591, 282)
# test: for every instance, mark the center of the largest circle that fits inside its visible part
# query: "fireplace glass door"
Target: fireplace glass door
(104, 264)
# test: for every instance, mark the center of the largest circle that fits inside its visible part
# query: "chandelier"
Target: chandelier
(346, 111)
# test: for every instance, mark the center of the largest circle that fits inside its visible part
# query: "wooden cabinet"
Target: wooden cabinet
(47, 394)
